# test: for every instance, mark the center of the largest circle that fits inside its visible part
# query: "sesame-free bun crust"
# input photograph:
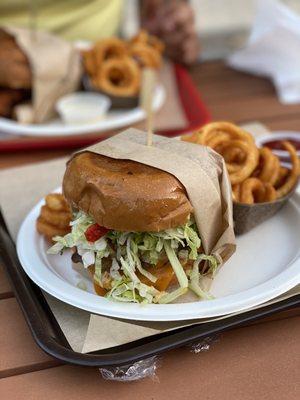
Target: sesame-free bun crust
(125, 195)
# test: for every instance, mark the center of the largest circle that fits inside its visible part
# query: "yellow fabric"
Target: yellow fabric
(71, 19)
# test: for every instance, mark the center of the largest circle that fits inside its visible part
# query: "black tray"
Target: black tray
(51, 339)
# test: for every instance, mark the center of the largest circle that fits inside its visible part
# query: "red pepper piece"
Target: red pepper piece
(95, 232)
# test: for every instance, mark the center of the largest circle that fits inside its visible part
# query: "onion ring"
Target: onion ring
(109, 48)
(153, 41)
(48, 230)
(146, 56)
(90, 62)
(60, 219)
(292, 177)
(57, 202)
(119, 77)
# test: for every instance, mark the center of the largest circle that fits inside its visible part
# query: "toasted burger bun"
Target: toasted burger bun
(125, 195)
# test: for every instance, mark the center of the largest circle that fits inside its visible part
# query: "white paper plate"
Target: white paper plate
(114, 120)
(265, 265)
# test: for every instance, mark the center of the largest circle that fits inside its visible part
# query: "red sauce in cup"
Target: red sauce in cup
(276, 144)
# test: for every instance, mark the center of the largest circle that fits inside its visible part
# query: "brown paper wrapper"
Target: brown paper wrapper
(199, 169)
(56, 70)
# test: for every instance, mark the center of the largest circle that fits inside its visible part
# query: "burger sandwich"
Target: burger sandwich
(133, 229)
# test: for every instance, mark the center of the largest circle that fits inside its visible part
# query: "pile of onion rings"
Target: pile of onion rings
(114, 65)
(255, 174)
(55, 217)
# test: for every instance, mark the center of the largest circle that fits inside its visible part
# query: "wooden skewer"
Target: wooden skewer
(146, 100)
(32, 6)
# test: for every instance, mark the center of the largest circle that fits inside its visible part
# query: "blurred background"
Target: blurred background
(222, 25)
(211, 47)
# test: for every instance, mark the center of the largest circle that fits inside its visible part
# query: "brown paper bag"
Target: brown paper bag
(56, 71)
(201, 170)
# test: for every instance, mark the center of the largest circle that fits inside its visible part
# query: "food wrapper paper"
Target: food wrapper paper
(56, 71)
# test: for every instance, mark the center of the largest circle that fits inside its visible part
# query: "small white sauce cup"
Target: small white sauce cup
(82, 107)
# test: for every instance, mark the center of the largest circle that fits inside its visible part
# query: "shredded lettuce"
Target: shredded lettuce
(177, 267)
(170, 297)
(195, 275)
(127, 252)
(126, 291)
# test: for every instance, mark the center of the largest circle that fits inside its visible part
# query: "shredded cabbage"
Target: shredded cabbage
(128, 251)
(195, 275)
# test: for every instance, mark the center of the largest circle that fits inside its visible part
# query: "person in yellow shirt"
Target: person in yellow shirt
(172, 21)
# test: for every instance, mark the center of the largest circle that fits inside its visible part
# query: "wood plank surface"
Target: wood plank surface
(238, 96)
(260, 362)
(5, 288)
(19, 353)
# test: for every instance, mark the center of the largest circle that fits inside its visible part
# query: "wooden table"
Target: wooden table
(256, 362)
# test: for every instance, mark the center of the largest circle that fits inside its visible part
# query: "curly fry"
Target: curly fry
(282, 175)
(251, 189)
(192, 137)
(238, 173)
(232, 132)
(215, 141)
(269, 166)
(270, 193)
(255, 175)
(233, 155)
(236, 192)
(292, 177)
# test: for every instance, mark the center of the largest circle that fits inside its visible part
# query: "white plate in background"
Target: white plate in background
(265, 265)
(114, 119)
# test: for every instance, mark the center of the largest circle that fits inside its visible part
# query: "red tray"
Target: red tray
(194, 108)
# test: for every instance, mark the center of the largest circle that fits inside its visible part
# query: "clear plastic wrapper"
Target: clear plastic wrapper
(203, 345)
(147, 368)
(141, 369)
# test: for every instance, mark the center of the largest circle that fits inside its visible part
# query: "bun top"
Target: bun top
(125, 195)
